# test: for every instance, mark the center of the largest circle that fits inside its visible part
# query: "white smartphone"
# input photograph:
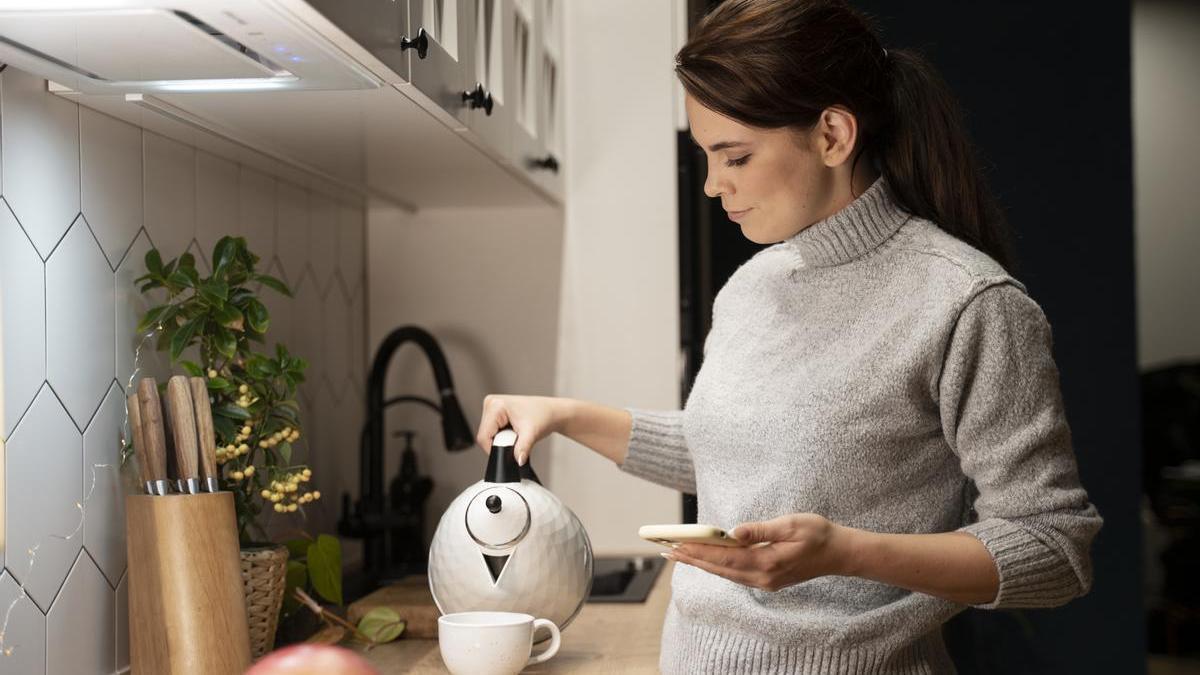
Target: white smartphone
(671, 535)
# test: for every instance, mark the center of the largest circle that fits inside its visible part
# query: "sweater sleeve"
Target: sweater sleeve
(1003, 416)
(657, 450)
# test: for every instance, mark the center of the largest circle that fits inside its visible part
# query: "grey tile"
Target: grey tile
(23, 647)
(81, 627)
(291, 229)
(216, 200)
(110, 153)
(256, 200)
(104, 508)
(23, 315)
(170, 193)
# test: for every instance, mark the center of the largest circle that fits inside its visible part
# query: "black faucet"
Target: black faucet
(372, 519)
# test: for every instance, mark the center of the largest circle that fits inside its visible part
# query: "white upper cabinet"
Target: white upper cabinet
(436, 66)
(488, 113)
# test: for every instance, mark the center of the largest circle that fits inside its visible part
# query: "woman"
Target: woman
(878, 398)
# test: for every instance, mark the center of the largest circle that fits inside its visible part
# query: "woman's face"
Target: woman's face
(772, 182)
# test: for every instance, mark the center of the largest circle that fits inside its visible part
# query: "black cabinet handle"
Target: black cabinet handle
(547, 162)
(421, 43)
(478, 98)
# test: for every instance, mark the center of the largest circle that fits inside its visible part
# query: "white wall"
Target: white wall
(83, 197)
(581, 303)
(619, 328)
(1166, 107)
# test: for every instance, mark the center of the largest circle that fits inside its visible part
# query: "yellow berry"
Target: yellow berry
(307, 473)
(316, 494)
(246, 430)
(211, 373)
(276, 497)
(279, 508)
(243, 448)
(287, 431)
(243, 389)
(262, 444)
(237, 475)
(266, 494)
(249, 471)
(292, 507)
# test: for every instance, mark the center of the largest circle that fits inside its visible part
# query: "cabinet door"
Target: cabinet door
(487, 68)
(440, 75)
(379, 26)
(550, 97)
(522, 87)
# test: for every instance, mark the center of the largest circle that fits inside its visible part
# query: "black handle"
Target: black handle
(421, 43)
(502, 465)
(478, 98)
(547, 162)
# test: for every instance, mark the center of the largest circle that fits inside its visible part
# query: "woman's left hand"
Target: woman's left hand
(779, 552)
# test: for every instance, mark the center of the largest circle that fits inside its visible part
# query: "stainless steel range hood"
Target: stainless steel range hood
(149, 46)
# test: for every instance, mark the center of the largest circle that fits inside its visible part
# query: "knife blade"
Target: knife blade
(206, 434)
(154, 438)
(183, 426)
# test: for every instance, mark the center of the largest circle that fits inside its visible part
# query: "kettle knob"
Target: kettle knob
(493, 504)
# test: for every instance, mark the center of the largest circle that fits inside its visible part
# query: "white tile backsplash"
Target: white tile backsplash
(110, 157)
(80, 356)
(26, 633)
(73, 646)
(23, 319)
(44, 467)
(66, 331)
(41, 158)
(104, 508)
(170, 198)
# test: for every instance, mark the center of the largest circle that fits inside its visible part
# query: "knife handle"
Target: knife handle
(205, 433)
(154, 439)
(135, 437)
(183, 426)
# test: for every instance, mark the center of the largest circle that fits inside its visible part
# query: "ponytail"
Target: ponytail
(930, 164)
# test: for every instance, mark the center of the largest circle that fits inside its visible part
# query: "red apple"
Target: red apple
(306, 659)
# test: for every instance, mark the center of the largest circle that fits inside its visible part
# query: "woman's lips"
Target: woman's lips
(735, 215)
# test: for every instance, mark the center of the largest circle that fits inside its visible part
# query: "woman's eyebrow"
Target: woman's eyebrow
(717, 147)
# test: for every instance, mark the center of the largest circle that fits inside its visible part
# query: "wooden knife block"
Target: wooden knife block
(187, 608)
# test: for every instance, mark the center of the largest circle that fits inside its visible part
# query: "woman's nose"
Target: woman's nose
(713, 186)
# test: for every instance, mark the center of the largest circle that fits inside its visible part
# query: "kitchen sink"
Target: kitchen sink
(625, 578)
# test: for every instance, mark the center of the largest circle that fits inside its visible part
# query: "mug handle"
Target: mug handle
(555, 640)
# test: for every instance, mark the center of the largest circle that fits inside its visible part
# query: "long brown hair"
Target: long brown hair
(778, 63)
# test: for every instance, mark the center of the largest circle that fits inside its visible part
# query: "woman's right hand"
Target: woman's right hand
(532, 417)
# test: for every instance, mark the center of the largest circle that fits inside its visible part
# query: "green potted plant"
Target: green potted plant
(255, 415)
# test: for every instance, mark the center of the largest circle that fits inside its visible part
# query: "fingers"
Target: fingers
(721, 556)
(744, 577)
(493, 419)
(776, 529)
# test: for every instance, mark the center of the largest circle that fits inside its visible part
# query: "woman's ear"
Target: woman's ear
(836, 134)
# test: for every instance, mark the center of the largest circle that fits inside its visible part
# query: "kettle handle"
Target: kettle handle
(502, 460)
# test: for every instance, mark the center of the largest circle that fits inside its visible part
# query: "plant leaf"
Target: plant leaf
(192, 369)
(285, 451)
(297, 548)
(223, 253)
(225, 341)
(228, 316)
(297, 577)
(215, 292)
(257, 316)
(183, 337)
(325, 567)
(232, 411)
(382, 624)
(273, 283)
(153, 262)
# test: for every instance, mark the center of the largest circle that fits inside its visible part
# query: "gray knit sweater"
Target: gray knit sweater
(875, 370)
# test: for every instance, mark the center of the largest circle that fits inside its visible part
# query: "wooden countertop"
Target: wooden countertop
(604, 638)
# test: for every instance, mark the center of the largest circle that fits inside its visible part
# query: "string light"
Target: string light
(7, 650)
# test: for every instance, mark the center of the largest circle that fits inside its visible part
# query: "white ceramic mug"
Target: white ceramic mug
(492, 643)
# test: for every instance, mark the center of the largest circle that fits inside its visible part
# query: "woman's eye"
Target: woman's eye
(738, 162)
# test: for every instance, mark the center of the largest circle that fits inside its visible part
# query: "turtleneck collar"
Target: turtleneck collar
(854, 231)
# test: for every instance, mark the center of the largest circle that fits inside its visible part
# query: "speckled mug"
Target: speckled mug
(492, 643)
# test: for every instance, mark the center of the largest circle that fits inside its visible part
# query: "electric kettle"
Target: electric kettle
(508, 544)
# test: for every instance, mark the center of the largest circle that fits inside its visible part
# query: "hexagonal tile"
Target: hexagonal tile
(25, 634)
(81, 627)
(79, 323)
(104, 509)
(256, 199)
(291, 229)
(306, 325)
(358, 340)
(43, 456)
(23, 316)
(110, 155)
(279, 309)
(335, 339)
(201, 259)
(351, 254)
(323, 239)
(132, 349)
(170, 192)
(41, 158)
(216, 200)
(123, 624)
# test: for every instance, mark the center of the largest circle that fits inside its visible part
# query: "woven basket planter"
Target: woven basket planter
(264, 576)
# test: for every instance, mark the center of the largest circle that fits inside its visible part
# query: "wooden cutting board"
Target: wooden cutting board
(412, 601)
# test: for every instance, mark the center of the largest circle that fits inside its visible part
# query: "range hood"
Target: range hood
(159, 46)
